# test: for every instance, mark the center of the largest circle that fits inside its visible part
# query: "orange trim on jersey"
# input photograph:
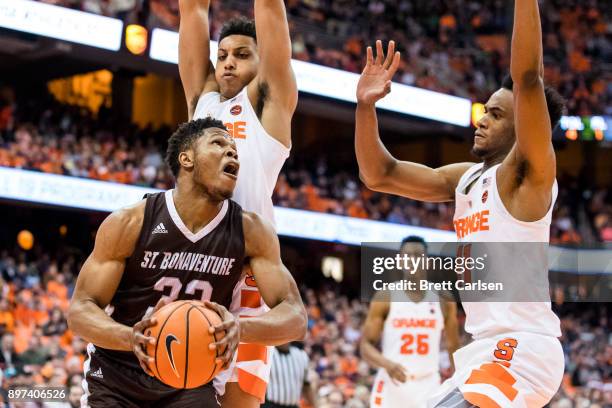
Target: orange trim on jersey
(251, 384)
(490, 374)
(480, 400)
(499, 372)
(250, 298)
(252, 352)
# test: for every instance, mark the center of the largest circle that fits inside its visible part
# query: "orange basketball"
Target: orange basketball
(182, 357)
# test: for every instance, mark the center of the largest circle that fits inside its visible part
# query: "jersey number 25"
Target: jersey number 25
(422, 346)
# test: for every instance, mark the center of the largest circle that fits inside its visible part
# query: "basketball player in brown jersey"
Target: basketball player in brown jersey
(514, 141)
(186, 243)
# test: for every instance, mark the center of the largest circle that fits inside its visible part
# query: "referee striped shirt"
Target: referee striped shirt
(287, 376)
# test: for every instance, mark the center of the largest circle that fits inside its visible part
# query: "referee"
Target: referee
(288, 378)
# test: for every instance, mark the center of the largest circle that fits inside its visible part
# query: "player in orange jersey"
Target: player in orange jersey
(516, 359)
(409, 327)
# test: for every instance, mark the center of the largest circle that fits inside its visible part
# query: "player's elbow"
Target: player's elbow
(76, 312)
(373, 182)
(297, 325)
(72, 316)
(377, 179)
(301, 323)
(367, 181)
(527, 78)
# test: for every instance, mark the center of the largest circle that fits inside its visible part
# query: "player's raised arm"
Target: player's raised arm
(275, 75)
(286, 321)
(371, 333)
(196, 69)
(531, 117)
(378, 169)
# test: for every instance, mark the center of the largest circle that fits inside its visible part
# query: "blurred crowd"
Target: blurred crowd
(587, 346)
(68, 140)
(54, 138)
(453, 46)
(36, 346)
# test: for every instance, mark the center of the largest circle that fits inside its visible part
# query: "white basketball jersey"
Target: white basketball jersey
(480, 216)
(412, 331)
(261, 156)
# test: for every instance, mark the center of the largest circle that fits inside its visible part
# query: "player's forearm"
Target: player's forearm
(375, 161)
(193, 9)
(526, 53)
(90, 322)
(194, 49)
(273, 38)
(284, 323)
(452, 344)
(372, 355)
(276, 7)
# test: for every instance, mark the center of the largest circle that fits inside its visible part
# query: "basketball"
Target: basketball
(182, 356)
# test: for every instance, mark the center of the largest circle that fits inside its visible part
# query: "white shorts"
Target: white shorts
(251, 365)
(513, 370)
(411, 394)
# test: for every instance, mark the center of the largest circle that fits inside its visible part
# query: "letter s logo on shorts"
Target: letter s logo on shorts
(505, 349)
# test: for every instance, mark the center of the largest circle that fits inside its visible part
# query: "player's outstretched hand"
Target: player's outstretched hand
(375, 81)
(397, 372)
(139, 340)
(230, 326)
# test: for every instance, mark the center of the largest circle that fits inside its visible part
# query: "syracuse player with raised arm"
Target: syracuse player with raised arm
(252, 90)
(409, 325)
(515, 359)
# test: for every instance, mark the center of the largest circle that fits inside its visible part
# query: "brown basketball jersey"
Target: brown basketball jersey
(171, 260)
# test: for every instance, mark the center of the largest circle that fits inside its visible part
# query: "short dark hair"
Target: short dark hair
(554, 101)
(238, 26)
(184, 137)
(413, 238)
